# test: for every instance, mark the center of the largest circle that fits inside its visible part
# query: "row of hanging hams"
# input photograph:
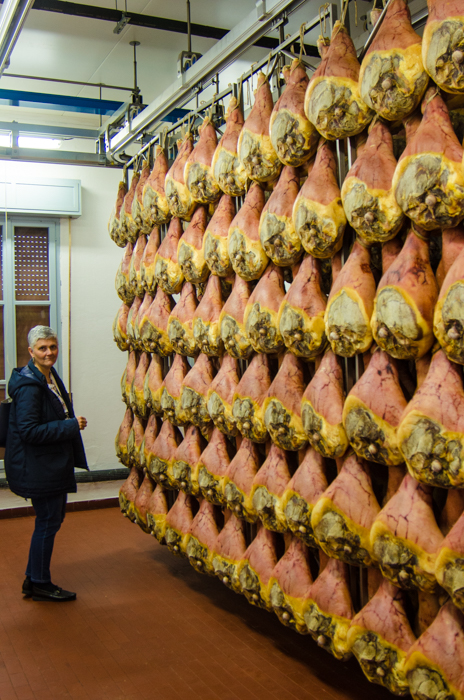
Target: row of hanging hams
(419, 652)
(342, 97)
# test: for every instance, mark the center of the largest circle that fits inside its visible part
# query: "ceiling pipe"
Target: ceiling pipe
(12, 17)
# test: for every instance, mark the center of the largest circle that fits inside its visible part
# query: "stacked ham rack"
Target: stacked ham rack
(293, 313)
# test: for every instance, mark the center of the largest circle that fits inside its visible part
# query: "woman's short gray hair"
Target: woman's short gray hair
(40, 333)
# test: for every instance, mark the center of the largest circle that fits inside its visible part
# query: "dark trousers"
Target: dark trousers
(50, 512)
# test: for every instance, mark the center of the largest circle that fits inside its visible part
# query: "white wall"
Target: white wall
(96, 362)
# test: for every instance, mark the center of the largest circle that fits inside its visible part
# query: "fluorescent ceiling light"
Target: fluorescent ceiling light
(5, 140)
(37, 142)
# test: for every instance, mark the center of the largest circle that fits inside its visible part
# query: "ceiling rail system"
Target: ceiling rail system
(205, 70)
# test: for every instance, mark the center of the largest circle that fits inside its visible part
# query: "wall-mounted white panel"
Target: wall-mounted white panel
(42, 196)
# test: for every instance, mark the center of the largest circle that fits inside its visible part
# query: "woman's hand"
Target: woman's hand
(82, 422)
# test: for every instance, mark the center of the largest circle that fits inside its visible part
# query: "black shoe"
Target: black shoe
(27, 587)
(48, 591)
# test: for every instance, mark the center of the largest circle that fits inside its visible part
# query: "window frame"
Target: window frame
(9, 303)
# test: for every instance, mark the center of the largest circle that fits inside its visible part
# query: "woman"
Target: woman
(42, 449)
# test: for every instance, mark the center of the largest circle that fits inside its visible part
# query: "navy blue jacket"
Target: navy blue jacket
(42, 448)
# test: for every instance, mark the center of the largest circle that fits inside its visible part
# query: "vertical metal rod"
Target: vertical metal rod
(189, 35)
(100, 92)
(135, 44)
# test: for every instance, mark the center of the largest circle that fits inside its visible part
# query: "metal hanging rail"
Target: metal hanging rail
(329, 12)
(222, 54)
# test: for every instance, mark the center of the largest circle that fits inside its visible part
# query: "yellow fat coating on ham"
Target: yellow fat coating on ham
(408, 81)
(449, 312)
(303, 335)
(329, 440)
(234, 337)
(358, 199)
(334, 627)
(440, 39)
(335, 106)
(385, 439)
(347, 318)
(246, 255)
(320, 226)
(410, 335)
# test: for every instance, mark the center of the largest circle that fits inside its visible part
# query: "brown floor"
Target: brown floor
(147, 626)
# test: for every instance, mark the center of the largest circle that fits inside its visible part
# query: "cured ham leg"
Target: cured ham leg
(190, 249)
(227, 169)
(301, 314)
(293, 136)
(256, 569)
(203, 534)
(193, 400)
(153, 326)
(367, 195)
(276, 230)
(180, 322)
(443, 45)
(180, 201)
(168, 273)
(153, 385)
(215, 251)
(449, 565)
(206, 328)
(301, 495)
(448, 318)
(220, 396)
(141, 503)
(172, 390)
(229, 550)
(212, 467)
(428, 181)
(128, 493)
(373, 410)
(254, 147)
(452, 245)
(178, 522)
(247, 407)
(122, 436)
(147, 264)
(160, 462)
(128, 376)
(333, 102)
(114, 223)
(380, 636)
(435, 663)
(120, 327)
(132, 317)
(135, 277)
(231, 321)
(268, 488)
(322, 408)
(282, 405)
(350, 305)
(318, 214)
(238, 481)
(198, 175)
(134, 222)
(157, 509)
(343, 516)
(184, 464)
(135, 443)
(155, 208)
(405, 537)
(431, 434)
(290, 586)
(262, 309)
(403, 307)
(137, 398)
(149, 438)
(329, 611)
(246, 253)
(392, 78)
(122, 281)
(126, 210)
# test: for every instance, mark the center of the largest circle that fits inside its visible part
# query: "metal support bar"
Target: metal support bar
(68, 82)
(60, 131)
